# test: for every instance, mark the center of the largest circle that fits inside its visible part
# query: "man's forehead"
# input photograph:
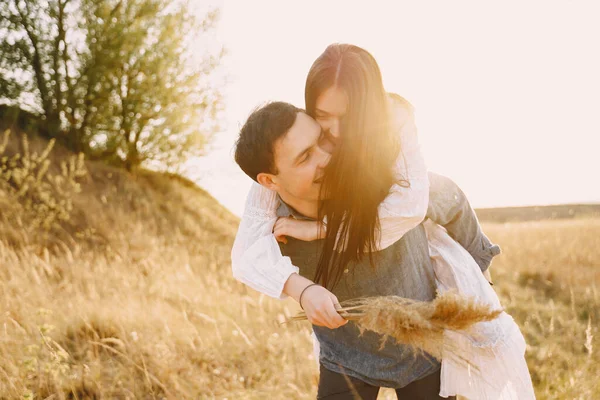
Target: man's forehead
(299, 136)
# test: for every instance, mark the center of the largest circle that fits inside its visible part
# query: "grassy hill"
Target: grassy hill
(118, 301)
(133, 298)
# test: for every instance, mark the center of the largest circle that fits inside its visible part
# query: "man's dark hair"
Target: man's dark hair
(254, 149)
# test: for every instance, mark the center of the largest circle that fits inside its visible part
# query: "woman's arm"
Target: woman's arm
(256, 261)
(256, 258)
(306, 230)
(406, 205)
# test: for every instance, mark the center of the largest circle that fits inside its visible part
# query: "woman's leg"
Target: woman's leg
(427, 388)
(334, 386)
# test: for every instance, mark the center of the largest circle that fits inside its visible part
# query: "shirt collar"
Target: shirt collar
(285, 210)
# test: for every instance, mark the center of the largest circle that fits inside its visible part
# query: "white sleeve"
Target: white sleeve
(405, 207)
(256, 259)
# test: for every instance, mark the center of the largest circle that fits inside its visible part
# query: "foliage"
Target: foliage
(45, 197)
(121, 80)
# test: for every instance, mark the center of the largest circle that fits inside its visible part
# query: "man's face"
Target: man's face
(300, 161)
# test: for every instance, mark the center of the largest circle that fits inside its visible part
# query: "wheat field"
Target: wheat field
(134, 298)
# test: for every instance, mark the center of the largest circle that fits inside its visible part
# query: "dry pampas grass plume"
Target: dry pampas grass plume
(419, 324)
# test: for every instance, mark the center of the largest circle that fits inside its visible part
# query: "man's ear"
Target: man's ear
(268, 180)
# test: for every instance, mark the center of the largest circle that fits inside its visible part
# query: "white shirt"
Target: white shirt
(256, 259)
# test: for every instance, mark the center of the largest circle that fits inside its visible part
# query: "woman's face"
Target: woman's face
(330, 108)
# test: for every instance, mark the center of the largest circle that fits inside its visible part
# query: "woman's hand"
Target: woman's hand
(320, 306)
(299, 229)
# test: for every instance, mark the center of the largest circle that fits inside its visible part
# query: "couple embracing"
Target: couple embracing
(343, 207)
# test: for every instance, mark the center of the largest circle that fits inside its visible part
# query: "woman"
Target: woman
(344, 93)
(256, 258)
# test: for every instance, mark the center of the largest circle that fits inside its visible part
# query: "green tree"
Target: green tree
(117, 79)
(34, 55)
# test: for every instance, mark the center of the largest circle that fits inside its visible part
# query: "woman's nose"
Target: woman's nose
(324, 157)
(335, 128)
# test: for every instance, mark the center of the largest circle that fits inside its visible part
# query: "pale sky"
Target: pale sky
(507, 94)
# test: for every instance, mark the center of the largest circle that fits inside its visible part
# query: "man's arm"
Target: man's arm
(449, 207)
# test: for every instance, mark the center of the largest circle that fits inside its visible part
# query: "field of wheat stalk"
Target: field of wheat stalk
(134, 298)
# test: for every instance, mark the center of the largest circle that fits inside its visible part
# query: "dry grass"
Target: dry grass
(414, 323)
(548, 279)
(135, 300)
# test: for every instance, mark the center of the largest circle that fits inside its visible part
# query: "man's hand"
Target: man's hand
(320, 307)
(299, 229)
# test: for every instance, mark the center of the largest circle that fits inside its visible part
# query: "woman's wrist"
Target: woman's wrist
(295, 284)
(304, 291)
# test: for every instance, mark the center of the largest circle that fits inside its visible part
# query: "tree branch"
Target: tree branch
(36, 61)
(56, 56)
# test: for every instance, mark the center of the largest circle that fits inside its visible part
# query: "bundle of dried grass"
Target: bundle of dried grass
(415, 323)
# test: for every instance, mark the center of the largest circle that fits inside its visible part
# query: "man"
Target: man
(279, 147)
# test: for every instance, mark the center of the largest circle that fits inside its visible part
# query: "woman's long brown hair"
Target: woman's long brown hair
(360, 173)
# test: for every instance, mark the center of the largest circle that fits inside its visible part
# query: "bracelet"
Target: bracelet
(322, 230)
(324, 225)
(302, 292)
